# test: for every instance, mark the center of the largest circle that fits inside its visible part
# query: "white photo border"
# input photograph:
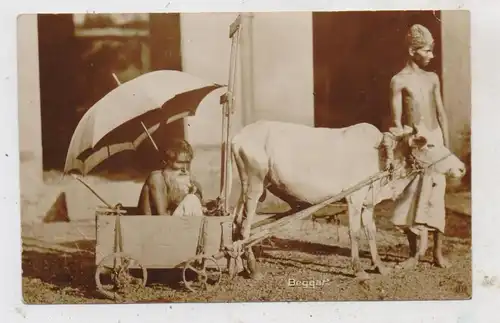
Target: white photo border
(485, 193)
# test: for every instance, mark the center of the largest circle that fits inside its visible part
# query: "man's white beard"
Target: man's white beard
(178, 185)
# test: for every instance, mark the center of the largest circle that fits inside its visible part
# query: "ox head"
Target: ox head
(430, 152)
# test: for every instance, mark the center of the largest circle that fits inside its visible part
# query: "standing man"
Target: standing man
(416, 100)
(171, 190)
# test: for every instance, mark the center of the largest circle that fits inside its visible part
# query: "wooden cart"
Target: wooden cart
(128, 245)
(202, 246)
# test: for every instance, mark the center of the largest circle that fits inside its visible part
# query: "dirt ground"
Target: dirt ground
(58, 267)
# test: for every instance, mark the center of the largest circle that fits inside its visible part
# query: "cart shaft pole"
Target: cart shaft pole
(272, 228)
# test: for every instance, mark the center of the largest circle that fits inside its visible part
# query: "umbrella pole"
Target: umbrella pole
(116, 79)
(150, 137)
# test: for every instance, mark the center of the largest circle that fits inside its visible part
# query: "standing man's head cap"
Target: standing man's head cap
(418, 36)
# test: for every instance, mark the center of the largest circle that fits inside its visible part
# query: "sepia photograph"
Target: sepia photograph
(245, 156)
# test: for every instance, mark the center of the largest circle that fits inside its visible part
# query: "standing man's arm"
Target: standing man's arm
(396, 111)
(157, 193)
(441, 113)
(396, 90)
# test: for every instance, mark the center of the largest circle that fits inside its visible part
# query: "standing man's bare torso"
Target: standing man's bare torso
(418, 100)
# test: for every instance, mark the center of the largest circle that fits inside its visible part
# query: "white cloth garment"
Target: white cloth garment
(189, 206)
(422, 204)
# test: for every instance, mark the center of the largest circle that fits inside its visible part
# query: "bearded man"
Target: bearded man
(171, 190)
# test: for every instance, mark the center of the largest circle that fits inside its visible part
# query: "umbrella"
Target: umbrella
(126, 116)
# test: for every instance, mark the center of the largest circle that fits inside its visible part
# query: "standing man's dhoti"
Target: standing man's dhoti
(422, 204)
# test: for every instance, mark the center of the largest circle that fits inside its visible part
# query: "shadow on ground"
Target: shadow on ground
(61, 269)
(74, 270)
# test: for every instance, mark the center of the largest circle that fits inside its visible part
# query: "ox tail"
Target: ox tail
(229, 172)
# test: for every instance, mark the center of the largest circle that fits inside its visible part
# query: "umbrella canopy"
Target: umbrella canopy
(116, 122)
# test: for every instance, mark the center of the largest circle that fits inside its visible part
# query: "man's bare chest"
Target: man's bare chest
(418, 87)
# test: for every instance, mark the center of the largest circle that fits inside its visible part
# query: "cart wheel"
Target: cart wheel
(118, 279)
(204, 271)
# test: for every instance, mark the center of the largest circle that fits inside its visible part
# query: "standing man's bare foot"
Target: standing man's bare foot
(413, 260)
(441, 261)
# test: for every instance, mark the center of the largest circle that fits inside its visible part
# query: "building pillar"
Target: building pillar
(247, 68)
(29, 116)
(456, 78)
(30, 125)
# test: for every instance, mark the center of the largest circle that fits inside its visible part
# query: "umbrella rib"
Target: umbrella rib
(149, 135)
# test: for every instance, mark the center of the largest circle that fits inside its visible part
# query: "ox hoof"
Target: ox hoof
(362, 276)
(252, 269)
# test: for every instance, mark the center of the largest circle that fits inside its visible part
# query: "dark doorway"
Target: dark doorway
(58, 90)
(355, 56)
(76, 62)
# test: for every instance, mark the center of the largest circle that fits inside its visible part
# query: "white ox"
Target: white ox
(303, 166)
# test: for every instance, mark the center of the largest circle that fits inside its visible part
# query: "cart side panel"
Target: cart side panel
(163, 241)
(155, 241)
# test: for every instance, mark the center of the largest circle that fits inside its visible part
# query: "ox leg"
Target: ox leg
(240, 224)
(243, 174)
(252, 268)
(254, 166)
(370, 232)
(254, 192)
(238, 218)
(354, 212)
